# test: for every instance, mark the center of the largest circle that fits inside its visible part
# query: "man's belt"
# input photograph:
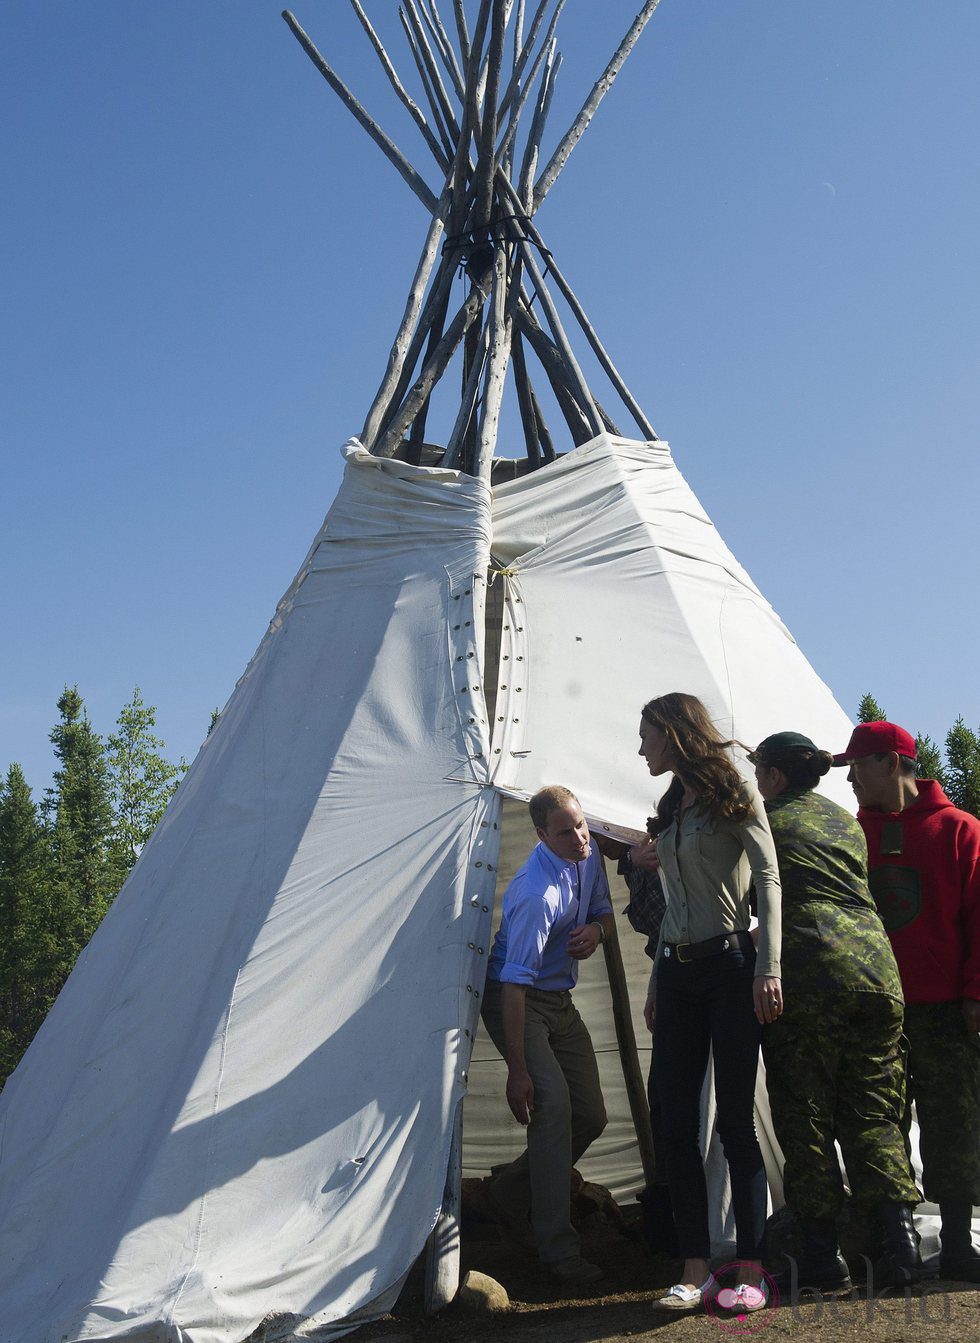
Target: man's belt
(712, 946)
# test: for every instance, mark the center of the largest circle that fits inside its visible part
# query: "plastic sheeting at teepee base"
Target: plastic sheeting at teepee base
(241, 1104)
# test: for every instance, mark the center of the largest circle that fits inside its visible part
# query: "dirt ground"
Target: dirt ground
(620, 1307)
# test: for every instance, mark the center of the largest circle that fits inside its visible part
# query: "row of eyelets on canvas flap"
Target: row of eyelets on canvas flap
(507, 744)
(466, 662)
(481, 884)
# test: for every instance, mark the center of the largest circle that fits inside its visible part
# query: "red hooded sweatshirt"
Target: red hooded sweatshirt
(924, 872)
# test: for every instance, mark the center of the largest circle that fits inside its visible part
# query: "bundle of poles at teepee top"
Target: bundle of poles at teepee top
(482, 226)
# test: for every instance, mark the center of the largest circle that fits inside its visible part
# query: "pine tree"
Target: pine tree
(963, 767)
(80, 815)
(929, 760)
(143, 780)
(869, 710)
(26, 944)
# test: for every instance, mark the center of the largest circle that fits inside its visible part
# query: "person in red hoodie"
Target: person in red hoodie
(924, 873)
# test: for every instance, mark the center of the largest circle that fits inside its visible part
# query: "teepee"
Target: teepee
(244, 1105)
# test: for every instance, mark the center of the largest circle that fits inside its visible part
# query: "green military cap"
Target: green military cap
(778, 744)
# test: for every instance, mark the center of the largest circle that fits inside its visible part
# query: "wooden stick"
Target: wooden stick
(517, 107)
(528, 417)
(632, 405)
(579, 385)
(433, 370)
(433, 21)
(442, 1247)
(435, 78)
(461, 31)
(547, 446)
(525, 56)
(390, 150)
(500, 333)
(437, 113)
(402, 93)
(417, 436)
(599, 90)
(636, 1092)
(530, 161)
(438, 290)
(488, 132)
(482, 82)
(456, 448)
(550, 360)
(413, 305)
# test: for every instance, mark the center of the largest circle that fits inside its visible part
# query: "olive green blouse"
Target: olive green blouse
(709, 868)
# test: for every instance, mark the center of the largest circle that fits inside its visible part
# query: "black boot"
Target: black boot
(899, 1264)
(821, 1265)
(958, 1260)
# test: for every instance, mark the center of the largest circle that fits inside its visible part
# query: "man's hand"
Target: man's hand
(971, 1013)
(643, 854)
(520, 1094)
(650, 1011)
(767, 998)
(582, 941)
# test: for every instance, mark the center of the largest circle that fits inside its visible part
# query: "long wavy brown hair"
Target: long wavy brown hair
(700, 762)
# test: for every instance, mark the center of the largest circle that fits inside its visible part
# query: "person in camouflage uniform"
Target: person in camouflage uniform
(834, 1059)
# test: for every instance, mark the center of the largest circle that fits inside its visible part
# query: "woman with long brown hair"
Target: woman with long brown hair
(711, 989)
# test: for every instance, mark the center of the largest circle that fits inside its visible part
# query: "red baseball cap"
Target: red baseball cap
(874, 738)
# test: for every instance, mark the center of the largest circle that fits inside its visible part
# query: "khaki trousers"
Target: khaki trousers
(568, 1115)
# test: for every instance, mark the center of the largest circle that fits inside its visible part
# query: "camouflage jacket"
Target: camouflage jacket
(833, 937)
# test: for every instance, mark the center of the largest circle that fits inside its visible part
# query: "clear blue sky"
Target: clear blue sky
(772, 222)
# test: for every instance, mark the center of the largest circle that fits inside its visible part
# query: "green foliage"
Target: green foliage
(963, 767)
(870, 711)
(27, 951)
(930, 759)
(143, 780)
(79, 811)
(62, 864)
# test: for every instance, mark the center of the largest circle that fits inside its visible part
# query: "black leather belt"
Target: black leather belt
(693, 951)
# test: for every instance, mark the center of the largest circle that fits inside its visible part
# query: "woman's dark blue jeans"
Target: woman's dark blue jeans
(704, 1004)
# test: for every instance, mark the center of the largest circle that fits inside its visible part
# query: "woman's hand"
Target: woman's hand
(767, 998)
(643, 854)
(650, 1011)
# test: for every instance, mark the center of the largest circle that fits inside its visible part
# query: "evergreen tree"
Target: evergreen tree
(80, 815)
(963, 767)
(26, 946)
(869, 710)
(143, 780)
(930, 760)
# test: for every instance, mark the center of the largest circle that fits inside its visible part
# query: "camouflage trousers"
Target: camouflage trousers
(835, 1070)
(944, 1081)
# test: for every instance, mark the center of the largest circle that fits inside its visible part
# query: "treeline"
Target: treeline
(62, 861)
(955, 766)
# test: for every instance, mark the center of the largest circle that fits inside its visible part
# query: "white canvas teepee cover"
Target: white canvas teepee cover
(241, 1103)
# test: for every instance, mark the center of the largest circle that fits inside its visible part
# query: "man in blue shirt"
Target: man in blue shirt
(556, 912)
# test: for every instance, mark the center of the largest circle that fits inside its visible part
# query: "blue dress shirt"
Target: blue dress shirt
(546, 900)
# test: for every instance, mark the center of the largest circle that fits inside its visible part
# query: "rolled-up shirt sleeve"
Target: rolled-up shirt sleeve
(531, 920)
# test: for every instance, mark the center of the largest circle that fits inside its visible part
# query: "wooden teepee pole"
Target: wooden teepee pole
(388, 148)
(632, 405)
(413, 306)
(599, 90)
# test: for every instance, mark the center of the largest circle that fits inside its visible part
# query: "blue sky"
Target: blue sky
(772, 223)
